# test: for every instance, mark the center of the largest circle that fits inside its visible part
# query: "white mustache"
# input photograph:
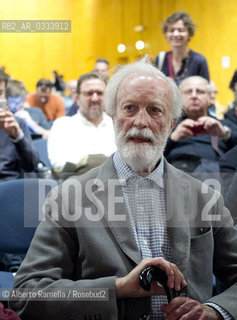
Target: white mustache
(144, 133)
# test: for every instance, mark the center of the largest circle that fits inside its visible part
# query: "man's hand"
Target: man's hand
(9, 123)
(212, 126)
(189, 309)
(129, 286)
(183, 130)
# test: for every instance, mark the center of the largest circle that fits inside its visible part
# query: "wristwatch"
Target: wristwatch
(227, 134)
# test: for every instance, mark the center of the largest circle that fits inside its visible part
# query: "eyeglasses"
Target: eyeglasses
(88, 94)
(190, 92)
(44, 86)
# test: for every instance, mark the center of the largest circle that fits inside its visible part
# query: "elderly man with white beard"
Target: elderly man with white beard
(103, 229)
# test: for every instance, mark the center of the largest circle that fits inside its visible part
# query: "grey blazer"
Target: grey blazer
(86, 241)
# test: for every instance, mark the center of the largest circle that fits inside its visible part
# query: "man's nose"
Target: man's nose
(94, 96)
(141, 119)
(194, 93)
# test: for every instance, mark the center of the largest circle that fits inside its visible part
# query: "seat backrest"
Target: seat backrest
(21, 202)
(42, 149)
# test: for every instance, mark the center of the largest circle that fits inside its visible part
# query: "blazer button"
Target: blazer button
(145, 317)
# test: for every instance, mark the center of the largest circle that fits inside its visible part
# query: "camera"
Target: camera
(3, 104)
(198, 128)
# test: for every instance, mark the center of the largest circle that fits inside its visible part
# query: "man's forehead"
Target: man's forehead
(194, 83)
(101, 65)
(92, 82)
(137, 79)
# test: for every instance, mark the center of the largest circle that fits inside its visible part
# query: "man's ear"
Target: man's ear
(172, 125)
(76, 98)
(113, 116)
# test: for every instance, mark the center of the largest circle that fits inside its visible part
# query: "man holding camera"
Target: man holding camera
(198, 139)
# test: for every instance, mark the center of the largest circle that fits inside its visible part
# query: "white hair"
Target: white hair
(140, 67)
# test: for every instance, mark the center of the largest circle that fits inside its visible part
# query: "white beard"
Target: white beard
(141, 157)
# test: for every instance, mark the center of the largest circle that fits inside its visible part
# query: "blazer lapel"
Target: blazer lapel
(178, 197)
(115, 213)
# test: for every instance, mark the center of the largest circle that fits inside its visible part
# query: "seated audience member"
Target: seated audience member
(3, 72)
(38, 116)
(103, 228)
(89, 132)
(215, 109)
(199, 139)
(71, 100)
(228, 168)
(102, 66)
(233, 81)
(231, 114)
(17, 154)
(50, 103)
(62, 83)
(233, 87)
(73, 110)
(181, 62)
(16, 94)
(58, 83)
(3, 84)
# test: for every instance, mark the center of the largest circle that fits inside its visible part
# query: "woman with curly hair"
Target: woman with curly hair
(181, 62)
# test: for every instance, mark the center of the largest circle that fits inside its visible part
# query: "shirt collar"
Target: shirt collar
(124, 172)
(89, 123)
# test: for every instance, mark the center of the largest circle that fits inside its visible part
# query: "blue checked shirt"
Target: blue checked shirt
(145, 201)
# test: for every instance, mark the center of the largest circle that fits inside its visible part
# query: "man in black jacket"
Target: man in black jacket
(198, 139)
(17, 154)
(228, 166)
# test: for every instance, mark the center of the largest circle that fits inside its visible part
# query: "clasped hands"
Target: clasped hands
(206, 125)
